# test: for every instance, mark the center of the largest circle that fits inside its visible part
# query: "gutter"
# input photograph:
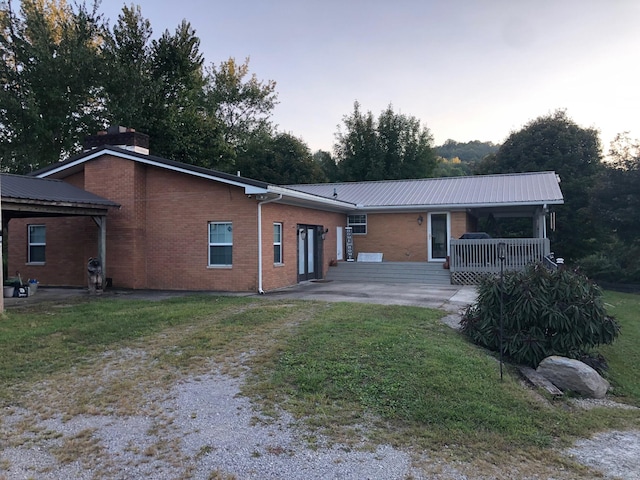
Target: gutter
(264, 202)
(452, 206)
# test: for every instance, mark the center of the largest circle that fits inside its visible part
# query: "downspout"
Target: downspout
(264, 202)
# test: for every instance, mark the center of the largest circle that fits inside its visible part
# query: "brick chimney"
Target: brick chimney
(121, 137)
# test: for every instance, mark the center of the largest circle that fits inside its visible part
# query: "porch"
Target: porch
(471, 259)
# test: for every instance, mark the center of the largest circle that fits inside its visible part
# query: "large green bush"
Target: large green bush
(559, 312)
(616, 263)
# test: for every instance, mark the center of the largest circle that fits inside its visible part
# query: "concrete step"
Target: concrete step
(390, 272)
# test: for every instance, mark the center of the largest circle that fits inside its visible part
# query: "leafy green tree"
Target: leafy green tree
(615, 202)
(50, 88)
(555, 142)
(131, 92)
(394, 146)
(615, 196)
(280, 159)
(241, 103)
(328, 165)
(451, 168)
(157, 87)
(467, 152)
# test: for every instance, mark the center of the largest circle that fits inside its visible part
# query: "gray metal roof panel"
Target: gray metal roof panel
(505, 189)
(48, 190)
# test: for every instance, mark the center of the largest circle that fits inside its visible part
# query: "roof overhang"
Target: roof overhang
(72, 166)
(485, 207)
(20, 208)
(308, 200)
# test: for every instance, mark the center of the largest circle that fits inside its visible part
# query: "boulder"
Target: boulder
(568, 374)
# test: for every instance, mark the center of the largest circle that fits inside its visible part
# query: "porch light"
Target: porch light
(303, 233)
(323, 233)
(502, 251)
(420, 220)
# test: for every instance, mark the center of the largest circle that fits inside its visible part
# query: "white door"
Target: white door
(339, 244)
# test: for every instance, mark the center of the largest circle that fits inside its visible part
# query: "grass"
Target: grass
(38, 342)
(352, 372)
(423, 380)
(624, 355)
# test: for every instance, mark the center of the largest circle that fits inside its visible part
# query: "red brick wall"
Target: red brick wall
(158, 238)
(179, 209)
(68, 243)
(399, 237)
(277, 276)
(459, 224)
(396, 235)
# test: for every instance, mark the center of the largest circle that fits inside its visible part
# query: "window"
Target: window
(358, 223)
(220, 244)
(277, 243)
(37, 243)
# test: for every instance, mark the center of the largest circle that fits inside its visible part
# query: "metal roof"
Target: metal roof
(481, 190)
(47, 190)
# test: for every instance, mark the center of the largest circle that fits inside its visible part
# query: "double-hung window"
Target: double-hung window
(277, 243)
(37, 243)
(358, 224)
(220, 244)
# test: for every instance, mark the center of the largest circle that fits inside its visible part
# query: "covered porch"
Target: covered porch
(471, 259)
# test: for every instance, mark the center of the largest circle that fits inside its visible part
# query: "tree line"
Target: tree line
(67, 73)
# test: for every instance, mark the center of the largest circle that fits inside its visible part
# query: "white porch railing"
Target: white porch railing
(481, 256)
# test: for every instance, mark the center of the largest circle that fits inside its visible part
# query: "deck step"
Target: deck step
(390, 272)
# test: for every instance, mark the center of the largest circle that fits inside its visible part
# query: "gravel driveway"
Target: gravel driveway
(204, 429)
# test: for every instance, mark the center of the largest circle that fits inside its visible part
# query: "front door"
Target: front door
(438, 236)
(309, 252)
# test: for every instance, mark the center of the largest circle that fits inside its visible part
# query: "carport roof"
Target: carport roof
(18, 187)
(514, 189)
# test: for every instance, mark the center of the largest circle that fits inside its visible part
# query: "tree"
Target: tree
(242, 104)
(453, 167)
(280, 159)
(128, 82)
(394, 146)
(328, 165)
(554, 142)
(50, 88)
(158, 87)
(468, 152)
(615, 196)
(67, 75)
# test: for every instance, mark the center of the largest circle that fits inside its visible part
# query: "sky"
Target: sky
(467, 69)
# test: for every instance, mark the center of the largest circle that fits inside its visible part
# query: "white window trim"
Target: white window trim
(218, 244)
(36, 244)
(366, 221)
(279, 244)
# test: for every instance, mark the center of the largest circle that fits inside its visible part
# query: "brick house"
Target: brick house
(169, 225)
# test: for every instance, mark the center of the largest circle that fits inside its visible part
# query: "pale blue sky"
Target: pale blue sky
(469, 70)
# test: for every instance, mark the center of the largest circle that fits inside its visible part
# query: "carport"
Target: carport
(29, 197)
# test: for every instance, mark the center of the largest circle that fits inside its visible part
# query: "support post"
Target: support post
(101, 222)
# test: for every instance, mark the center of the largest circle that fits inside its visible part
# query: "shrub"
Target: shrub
(559, 312)
(616, 262)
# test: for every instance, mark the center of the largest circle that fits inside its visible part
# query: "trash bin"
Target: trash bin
(94, 274)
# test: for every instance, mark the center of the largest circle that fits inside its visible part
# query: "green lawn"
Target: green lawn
(410, 379)
(624, 355)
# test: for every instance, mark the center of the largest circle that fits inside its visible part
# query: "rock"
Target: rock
(574, 375)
